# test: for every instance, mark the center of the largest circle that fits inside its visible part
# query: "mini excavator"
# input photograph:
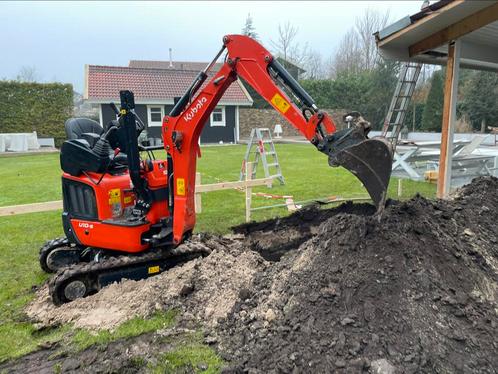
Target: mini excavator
(125, 216)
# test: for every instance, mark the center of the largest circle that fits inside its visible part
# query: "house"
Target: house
(292, 67)
(156, 84)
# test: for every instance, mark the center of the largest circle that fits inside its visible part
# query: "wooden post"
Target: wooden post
(249, 166)
(197, 198)
(449, 119)
(30, 208)
(400, 188)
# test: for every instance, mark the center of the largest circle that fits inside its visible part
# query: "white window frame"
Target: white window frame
(218, 123)
(149, 120)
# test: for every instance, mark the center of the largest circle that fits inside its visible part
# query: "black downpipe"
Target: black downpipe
(292, 84)
(184, 100)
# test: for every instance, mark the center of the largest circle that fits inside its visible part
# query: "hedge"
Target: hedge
(40, 107)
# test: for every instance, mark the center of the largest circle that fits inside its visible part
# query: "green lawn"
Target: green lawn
(36, 178)
(28, 179)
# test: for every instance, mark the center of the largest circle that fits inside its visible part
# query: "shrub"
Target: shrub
(40, 107)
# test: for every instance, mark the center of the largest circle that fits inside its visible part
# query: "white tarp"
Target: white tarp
(21, 142)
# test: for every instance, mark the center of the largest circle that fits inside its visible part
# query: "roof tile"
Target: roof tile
(105, 82)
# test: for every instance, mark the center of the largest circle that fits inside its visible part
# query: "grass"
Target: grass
(36, 178)
(189, 355)
(29, 179)
(83, 339)
(20, 238)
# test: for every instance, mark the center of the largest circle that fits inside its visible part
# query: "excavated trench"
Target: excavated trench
(276, 237)
(326, 290)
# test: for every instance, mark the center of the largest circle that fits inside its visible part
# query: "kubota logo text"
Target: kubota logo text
(195, 109)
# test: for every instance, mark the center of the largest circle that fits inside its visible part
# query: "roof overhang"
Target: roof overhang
(424, 37)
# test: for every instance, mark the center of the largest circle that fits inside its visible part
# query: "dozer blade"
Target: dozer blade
(371, 161)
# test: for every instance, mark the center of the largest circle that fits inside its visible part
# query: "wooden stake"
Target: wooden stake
(232, 185)
(400, 188)
(249, 166)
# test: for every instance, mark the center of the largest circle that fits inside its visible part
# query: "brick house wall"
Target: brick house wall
(250, 118)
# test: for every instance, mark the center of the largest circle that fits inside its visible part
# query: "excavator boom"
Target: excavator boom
(369, 159)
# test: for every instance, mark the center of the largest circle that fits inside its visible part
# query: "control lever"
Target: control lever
(114, 108)
(140, 125)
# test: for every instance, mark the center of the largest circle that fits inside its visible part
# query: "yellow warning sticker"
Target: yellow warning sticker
(180, 186)
(128, 199)
(280, 103)
(153, 269)
(114, 196)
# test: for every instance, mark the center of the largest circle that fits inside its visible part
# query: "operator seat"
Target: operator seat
(78, 152)
(83, 128)
(76, 127)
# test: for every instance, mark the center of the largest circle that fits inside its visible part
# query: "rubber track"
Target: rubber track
(47, 248)
(93, 269)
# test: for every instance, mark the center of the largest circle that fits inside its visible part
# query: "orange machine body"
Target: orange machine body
(96, 210)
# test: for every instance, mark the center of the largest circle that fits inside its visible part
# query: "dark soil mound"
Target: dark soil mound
(415, 291)
(275, 237)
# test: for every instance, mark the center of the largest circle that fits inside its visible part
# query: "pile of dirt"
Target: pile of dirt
(415, 291)
(333, 290)
(212, 285)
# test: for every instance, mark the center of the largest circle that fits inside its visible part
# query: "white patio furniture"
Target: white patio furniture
(18, 142)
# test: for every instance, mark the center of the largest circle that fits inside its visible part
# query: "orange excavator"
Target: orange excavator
(124, 216)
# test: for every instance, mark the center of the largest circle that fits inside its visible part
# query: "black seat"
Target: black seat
(76, 127)
(78, 151)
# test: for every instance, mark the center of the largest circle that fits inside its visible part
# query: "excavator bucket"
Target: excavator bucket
(370, 160)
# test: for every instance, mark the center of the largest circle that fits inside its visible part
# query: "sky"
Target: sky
(59, 38)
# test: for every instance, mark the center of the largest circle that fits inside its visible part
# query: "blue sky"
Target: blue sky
(59, 38)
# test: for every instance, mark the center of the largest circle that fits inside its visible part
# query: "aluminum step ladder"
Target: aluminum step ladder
(261, 145)
(403, 93)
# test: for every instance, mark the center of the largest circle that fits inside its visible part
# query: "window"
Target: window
(155, 114)
(218, 116)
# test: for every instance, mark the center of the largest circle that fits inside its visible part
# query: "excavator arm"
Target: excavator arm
(369, 159)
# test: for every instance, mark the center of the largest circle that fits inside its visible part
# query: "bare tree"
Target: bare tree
(27, 74)
(287, 47)
(357, 50)
(347, 57)
(286, 39)
(314, 65)
(365, 27)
